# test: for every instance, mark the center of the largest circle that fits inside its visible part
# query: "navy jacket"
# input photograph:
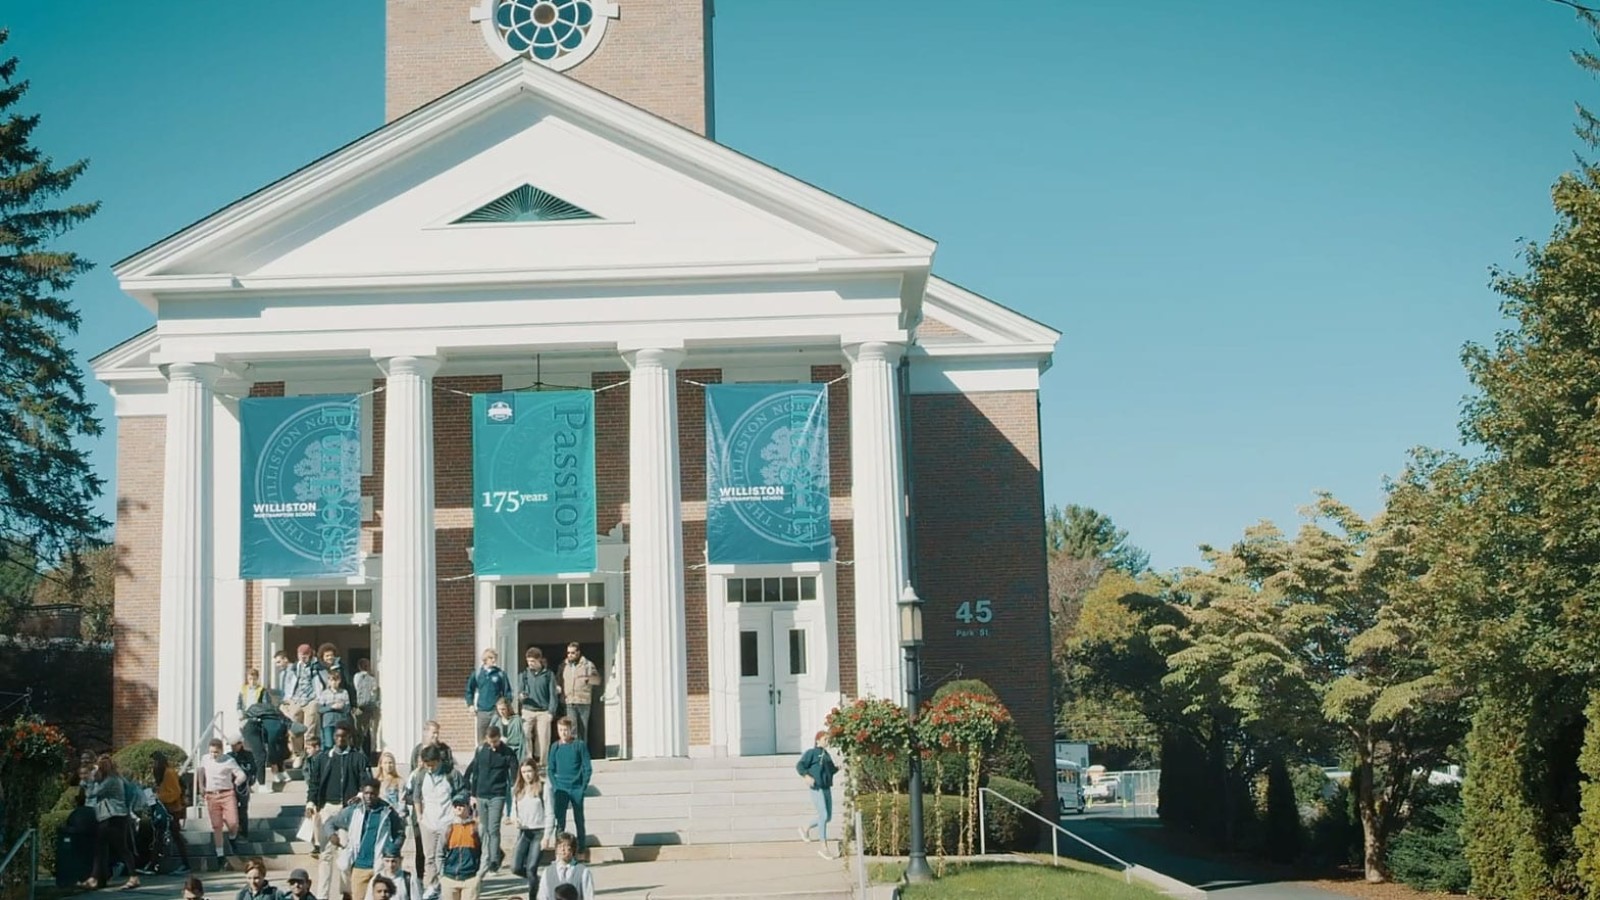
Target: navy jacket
(486, 686)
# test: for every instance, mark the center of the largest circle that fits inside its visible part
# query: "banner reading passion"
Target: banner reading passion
(533, 483)
(300, 487)
(767, 473)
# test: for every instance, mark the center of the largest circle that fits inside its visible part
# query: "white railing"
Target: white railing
(212, 727)
(1055, 832)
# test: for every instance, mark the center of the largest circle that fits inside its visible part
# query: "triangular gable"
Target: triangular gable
(523, 110)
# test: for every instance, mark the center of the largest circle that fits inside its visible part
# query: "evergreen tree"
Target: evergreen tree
(47, 488)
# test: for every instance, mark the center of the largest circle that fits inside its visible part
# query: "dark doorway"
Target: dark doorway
(354, 643)
(552, 636)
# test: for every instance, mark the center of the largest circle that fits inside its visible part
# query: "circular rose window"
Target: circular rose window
(556, 33)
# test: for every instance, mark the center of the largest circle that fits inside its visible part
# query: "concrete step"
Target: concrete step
(794, 849)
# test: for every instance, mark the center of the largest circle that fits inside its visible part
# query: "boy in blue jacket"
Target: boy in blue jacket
(485, 687)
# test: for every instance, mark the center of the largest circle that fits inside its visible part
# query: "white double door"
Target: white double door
(774, 650)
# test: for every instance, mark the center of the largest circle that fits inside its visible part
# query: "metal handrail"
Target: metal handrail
(190, 765)
(31, 838)
(983, 837)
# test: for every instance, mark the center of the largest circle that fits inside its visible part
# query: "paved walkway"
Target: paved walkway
(801, 878)
(1132, 839)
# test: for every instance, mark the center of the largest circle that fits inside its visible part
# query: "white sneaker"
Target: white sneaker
(805, 833)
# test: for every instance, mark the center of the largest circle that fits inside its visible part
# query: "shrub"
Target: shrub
(1428, 854)
(133, 761)
(49, 829)
(1333, 836)
(1007, 827)
(886, 823)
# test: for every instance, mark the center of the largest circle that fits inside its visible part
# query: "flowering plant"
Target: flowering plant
(30, 741)
(870, 727)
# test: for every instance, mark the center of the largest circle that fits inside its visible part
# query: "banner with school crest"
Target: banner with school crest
(300, 480)
(533, 483)
(767, 479)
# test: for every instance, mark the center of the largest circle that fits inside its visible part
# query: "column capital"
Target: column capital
(668, 358)
(874, 351)
(420, 366)
(203, 373)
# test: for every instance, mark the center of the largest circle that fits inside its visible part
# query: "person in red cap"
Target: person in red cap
(302, 681)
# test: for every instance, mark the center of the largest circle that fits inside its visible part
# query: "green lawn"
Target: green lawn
(996, 880)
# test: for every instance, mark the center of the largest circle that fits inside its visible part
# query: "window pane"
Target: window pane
(502, 596)
(523, 597)
(797, 651)
(346, 601)
(364, 600)
(327, 603)
(541, 596)
(749, 654)
(735, 590)
(773, 589)
(597, 593)
(808, 587)
(558, 596)
(291, 603)
(791, 590)
(752, 590)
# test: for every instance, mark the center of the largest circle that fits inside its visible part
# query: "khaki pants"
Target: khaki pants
(458, 889)
(536, 734)
(308, 715)
(359, 879)
(331, 880)
(431, 851)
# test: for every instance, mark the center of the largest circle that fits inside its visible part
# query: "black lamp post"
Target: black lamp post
(911, 642)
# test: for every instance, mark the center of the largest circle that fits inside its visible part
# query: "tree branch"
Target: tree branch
(1592, 10)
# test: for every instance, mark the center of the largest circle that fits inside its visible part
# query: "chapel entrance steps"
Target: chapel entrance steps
(698, 808)
(274, 820)
(711, 802)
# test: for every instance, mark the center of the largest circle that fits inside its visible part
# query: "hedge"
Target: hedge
(1427, 853)
(1005, 826)
(133, 761)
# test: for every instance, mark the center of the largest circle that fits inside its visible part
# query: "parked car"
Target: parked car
(1103, 791)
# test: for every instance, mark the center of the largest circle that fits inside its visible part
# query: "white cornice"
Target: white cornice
(212, 285)
(950, 303)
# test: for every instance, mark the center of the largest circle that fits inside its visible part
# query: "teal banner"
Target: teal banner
(767, 473)
(300, 502)
(533, 483)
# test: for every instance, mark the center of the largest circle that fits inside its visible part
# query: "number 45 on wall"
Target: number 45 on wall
(974, 611)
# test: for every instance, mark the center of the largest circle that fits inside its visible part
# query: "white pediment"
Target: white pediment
(386, 207)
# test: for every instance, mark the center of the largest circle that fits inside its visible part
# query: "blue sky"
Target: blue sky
(1264, 227)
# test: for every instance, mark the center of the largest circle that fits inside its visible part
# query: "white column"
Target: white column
(877, 493)
(408, 665)
(658, 633)
(185, 677)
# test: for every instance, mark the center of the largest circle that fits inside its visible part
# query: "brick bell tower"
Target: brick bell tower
(655, 54)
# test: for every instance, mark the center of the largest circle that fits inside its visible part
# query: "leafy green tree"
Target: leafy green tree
(1082, 533)
(47, 488)
(88, 581)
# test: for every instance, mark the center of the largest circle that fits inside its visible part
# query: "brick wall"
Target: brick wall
(692, 485)
(979, 533)
(843, 529)
(654, 56)
(141, 455)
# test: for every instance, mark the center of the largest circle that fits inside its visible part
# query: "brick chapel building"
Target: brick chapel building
(547, 203)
